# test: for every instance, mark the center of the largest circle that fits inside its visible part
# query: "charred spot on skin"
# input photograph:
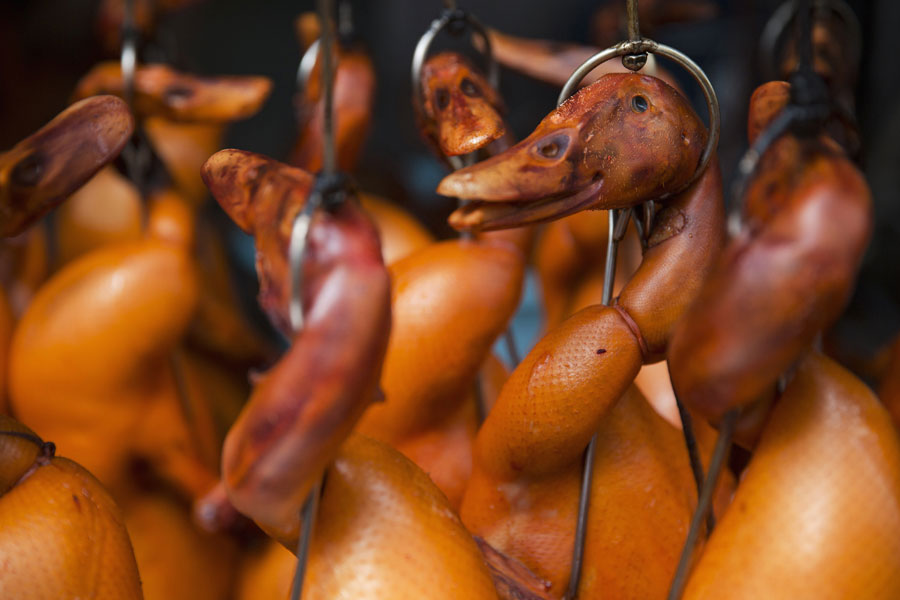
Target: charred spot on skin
(470, 88)
(29, 170)
(175, 93)
(77, 502)
(601, 350)
(441, 98)
(669, 223)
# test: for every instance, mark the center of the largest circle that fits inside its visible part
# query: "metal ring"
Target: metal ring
(645, 45)
(128, 58)
(299, 242)
(421, 53)
(307, 64)
(777, 26)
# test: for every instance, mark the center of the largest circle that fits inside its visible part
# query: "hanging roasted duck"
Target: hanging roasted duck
(183, 130)
(621, 141)
(90, 361)
(827, 446)
(371, 494)
(61, 534)
(807, 221)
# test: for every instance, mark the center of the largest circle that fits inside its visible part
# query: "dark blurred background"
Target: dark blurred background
(46, 45)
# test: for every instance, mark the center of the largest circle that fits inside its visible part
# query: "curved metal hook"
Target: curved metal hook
(636, 47)
(450, 17)
(128, 57)
(307, 64)
(299, 242)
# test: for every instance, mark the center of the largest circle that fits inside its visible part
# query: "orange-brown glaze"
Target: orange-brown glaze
(7, 322)
(767, 101)
(778, 283)
(90, 362)
(684, 243)
(460, 111)
(43, 169)
(176, 560)
(450, 302)
(184, 147)
(401, 234)
(526, 504)
(24, 265)
(330, 374)
(106, 210)
(623, 140)
(817, 512)
(266, 573)
(61, 534)
(161, 91)
(384, 530)
(889, 386)
(354, 92)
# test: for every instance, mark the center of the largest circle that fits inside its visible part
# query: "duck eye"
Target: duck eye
(639, 104)
(441, 98)
(469, 88)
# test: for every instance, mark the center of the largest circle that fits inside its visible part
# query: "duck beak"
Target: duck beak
(45, 168)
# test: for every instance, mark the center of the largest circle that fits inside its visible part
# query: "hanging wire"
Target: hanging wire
(618, 224)
(805, 115)
(297, 251)
(704, 502)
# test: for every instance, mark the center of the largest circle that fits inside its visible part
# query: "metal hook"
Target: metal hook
(450, 16)
(297, 247)
(649, 46)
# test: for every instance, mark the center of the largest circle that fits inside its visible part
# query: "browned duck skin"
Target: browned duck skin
(828, 450)
(61, 534)
(778, 283)
(162, 91)
(330, 374)
(43, 169)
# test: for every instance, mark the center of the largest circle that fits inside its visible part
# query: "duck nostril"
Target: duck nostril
(29, 171)
(441, 98)
(549, 150)
(597, 177)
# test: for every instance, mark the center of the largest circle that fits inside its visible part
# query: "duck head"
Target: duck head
(621, 141)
